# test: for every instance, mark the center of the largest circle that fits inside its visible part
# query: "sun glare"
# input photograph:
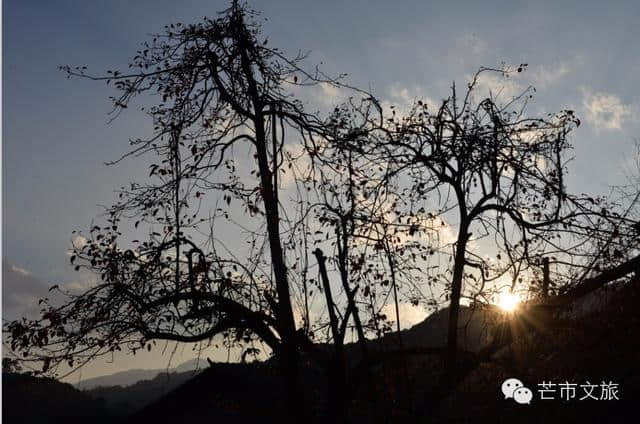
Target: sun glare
(508, 301)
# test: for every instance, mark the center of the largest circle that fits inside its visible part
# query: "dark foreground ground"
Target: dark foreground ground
(601, 347)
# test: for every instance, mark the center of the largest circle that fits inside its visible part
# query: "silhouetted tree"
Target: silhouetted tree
(494, 173)
(225, 94)
(224, 91)
(347, 215)
(371, 205)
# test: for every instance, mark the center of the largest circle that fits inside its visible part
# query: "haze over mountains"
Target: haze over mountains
(129, 377)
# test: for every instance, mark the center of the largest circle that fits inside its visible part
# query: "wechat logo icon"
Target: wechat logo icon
(514, 389)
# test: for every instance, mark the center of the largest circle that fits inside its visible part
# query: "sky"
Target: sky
(56, 137)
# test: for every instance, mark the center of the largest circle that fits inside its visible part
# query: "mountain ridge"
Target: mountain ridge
(133, 376)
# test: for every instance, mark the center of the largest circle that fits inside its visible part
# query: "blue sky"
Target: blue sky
(55, 137)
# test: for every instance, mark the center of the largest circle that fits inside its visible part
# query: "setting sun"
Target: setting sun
(508, 301)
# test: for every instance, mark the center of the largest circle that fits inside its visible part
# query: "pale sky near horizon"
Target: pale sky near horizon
(582, 55)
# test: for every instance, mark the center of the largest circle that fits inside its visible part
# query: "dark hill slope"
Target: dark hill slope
(27, 399)
(122, 401)
(226, 393)
(600, 346)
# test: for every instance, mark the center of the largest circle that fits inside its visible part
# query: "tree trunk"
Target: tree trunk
(454, 306)
(289, 356)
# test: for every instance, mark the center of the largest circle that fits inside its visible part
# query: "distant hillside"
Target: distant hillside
(129, 377)
(27, 400)
(238, 393)
(121, 401)
(127, 392)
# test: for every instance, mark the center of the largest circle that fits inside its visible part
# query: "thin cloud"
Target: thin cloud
(20, 270)
(547, 75)
(400, 99)
(502, 89)
(606, 111)
(20, 292)
(468, 50)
